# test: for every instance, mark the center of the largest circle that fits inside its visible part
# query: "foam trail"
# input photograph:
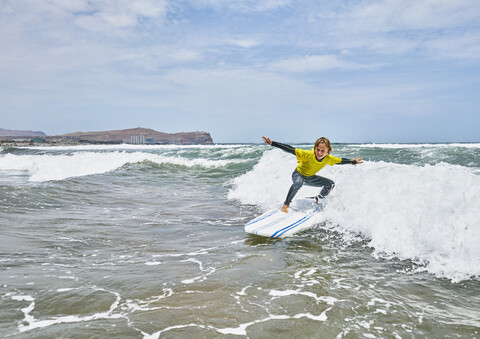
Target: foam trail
(32, 323)
(428, 214)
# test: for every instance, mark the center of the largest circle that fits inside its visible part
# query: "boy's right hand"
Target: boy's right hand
(267, 141)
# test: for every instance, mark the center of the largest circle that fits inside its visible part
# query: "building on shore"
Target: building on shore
(139, 140)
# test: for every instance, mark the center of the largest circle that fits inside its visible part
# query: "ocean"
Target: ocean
(148, 242)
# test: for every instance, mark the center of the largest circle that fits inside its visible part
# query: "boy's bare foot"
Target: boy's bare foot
(284, 208)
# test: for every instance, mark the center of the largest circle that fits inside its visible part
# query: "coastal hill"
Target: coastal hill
(20, 133)
(129, 136)
(155, 136)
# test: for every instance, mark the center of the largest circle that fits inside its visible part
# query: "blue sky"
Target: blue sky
(354, 71)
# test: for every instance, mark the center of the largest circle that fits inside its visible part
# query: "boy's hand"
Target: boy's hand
(358, 160)
(267, 141)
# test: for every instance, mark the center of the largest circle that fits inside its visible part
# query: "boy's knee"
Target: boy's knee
(327, 188)
(298, 182)
(331, 184)
(297, 185)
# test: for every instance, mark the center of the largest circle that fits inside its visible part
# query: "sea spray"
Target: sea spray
(427, 214)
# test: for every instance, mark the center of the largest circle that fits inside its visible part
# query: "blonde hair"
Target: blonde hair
(325, 141)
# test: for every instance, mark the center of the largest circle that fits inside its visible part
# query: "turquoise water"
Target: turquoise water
(148, 242)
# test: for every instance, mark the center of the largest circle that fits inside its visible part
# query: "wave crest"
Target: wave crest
(428, 214)
(49, 167)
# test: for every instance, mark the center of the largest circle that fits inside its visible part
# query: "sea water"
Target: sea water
(148, 242)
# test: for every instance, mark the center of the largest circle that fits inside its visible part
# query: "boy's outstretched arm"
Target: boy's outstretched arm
(348, 161)
(286, 148)
(358, 160)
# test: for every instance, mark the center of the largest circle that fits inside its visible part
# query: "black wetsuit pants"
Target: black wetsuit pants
(315, 180)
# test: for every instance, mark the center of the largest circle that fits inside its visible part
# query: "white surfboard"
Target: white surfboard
(278, 224)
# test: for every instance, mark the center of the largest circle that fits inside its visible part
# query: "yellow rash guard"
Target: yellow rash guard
(308, 165)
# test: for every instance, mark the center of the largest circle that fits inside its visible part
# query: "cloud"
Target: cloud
(155, 58)
(245, 43)
(458, 46)
(394, 15)
(395, 27)
(243, 5)
(102, 22)
(101, 16)
(107, 16)
(217, 60)
(311, 63)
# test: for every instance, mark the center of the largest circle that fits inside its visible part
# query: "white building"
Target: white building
(137, 139)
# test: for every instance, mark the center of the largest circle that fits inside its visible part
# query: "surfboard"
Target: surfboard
(277, 224)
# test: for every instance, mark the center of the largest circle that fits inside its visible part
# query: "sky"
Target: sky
(390, 71)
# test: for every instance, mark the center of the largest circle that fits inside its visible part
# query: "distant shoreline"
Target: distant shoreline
(68, 141)
(136, 136)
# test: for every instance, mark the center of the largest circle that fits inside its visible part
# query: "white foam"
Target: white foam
(428, 214)
(146, 305)
(65, 289)
(208, 271)
(156, 335)
(321, 317)
(397, 146)
(130, 147)
(32, 323)
(266, 185)
(242, 328)
(328, 300)
(22, 298)
(58, 167)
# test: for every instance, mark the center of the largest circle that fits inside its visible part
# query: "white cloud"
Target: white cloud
(101, 16)
(459, 46)
(311, 63)
(245, 43)
(148, 9)
(395, 27)
(56, 6)
(392, 15)
(102, 22)
(152, 59)
(243, 5)
(107, 16)
(228, 57)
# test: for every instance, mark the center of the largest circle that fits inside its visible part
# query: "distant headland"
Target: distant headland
(16, 133)
(127, 136)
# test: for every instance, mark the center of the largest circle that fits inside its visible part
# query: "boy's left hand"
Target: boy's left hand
(267, 141)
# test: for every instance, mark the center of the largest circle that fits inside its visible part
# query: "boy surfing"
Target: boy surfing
(309, 163)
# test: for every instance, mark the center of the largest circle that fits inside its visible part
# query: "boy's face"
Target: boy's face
(321, 151)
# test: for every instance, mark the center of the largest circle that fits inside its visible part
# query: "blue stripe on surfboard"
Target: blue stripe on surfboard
(272, 223)
(264, 216)
(261, 217)
(283, 216)
(292, 226)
